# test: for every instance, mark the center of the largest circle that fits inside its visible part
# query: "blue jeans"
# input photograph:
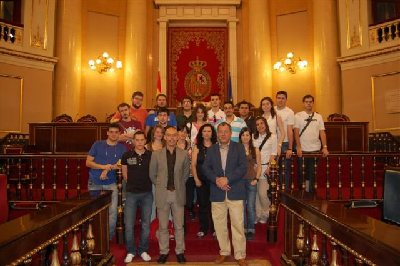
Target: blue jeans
(250, 207)
(134, 200)
(309, 170)
(288, 164)
(112, 210)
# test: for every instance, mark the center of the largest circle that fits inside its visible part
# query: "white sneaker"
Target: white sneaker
(129, 257)
(145, 256)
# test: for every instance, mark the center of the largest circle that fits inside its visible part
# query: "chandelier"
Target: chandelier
(105, 63)
(290, 63)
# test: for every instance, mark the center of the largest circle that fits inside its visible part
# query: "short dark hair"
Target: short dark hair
(187, 98)
(123, 105)
(308, 96)
(244, 102)
(222, 124)
(215, 94)
(162, 110)
(282, 93)
(161, 95)
(137, 93)
(229, 102)
(113, 125)
(139, 132)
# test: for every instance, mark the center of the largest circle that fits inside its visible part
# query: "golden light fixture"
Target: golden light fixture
(290, 63)
(105, 63)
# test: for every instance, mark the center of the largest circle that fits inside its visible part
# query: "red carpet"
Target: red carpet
(206, 249)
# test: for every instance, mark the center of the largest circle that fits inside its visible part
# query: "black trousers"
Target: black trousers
(190, 189)
(203, 198)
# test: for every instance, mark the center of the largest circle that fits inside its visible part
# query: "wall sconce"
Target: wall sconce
(105, 63)
(290, 63)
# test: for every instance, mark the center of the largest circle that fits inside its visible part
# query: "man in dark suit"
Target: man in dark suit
(169, 170)
(225, 166)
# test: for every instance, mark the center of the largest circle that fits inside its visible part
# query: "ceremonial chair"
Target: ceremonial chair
(87, 119)
(64, 118)
(338, 118)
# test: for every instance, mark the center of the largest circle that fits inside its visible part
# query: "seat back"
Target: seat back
(64, 118)
(87, 119)
(338, 118)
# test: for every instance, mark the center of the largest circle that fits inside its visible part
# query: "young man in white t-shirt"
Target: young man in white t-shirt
(215, 114)
(309, 132)
(287, 116)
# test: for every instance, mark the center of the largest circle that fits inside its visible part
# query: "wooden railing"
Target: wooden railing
(37, 179)
(43, 237)
(383, 142)
(341, 176)
(319, 232)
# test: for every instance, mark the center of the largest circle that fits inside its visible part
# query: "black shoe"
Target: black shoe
(250, 236)
(180, 258)
(162, 259)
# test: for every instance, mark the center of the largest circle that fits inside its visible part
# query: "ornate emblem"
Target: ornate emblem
(197, 81)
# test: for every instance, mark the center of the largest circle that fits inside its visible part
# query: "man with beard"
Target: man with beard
(137, 112)
(127, 125)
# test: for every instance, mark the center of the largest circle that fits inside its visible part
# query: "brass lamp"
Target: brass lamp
(290, 63)
(105, 63)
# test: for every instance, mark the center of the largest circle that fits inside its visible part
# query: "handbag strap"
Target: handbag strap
(308, 123)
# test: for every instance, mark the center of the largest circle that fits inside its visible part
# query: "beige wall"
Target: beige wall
(357, 95)
(36, 96)
(292, 31)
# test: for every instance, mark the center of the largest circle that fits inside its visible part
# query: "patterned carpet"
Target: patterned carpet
(228, 263)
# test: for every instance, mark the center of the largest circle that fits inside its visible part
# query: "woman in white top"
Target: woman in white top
(266, 143)
(199, 119)
(274, 121)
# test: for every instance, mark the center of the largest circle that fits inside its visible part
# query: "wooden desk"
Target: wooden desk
(66, 138)
(347, 136)
(370, 238)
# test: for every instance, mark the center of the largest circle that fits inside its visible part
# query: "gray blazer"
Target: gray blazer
(159, 175)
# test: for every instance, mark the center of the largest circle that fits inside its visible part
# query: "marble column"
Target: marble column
(68, 50)
(326, 51)
(260, 76)
(135, 65)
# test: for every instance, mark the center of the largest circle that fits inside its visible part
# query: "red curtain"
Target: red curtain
(197, 63)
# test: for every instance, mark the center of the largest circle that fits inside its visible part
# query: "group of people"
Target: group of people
(223, 159)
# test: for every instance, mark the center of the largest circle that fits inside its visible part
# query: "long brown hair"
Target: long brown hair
(251, 146)
(273, 113)
(257, 134)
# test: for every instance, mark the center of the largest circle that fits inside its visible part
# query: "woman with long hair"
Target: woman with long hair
(274, 121)
(266, 144)
(252, 176)
(199, 119)
(206, 137)
(157, 143)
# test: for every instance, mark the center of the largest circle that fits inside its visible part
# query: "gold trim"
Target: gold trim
(35, 39)
(332, 238)
(353, 40)
(56, 237)
(373, 100)
(21, 86)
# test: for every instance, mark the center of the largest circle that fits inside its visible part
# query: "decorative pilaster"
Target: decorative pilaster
(68, 50)
(260, 51)
(326, 51)
(135, 48)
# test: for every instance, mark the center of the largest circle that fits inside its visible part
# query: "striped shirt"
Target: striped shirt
(237, 124)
